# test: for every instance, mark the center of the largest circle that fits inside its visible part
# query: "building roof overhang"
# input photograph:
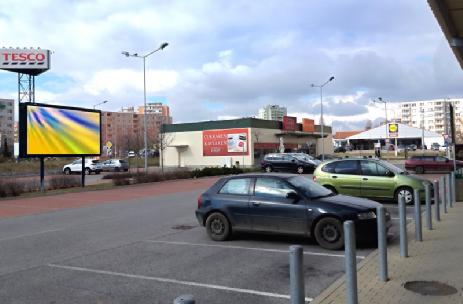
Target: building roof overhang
(449, 15)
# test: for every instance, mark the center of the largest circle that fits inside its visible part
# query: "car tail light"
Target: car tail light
(314, 178)
(200, 201)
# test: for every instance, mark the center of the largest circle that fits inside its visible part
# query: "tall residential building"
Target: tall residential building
(156, 108)
(6, 126)
(272, 112)
(126, 132)
(432, 115)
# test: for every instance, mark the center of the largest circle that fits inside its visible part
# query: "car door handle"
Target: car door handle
(365, 178)
(256, 203)
(334, 176)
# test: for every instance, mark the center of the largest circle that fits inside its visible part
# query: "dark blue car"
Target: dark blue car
(283, 203)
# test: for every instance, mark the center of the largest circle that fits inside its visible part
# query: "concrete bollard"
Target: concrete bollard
(184, 299)
(296, 274)
(436, 200)
(427, 189)
(403, 228)
(382, 243)
(350, 262)
(418, 230)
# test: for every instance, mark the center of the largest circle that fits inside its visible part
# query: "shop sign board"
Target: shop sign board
(227, 142)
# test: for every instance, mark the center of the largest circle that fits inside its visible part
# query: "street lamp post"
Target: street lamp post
(145, 135)
(321, 113)
(380, 100)
(103, 102)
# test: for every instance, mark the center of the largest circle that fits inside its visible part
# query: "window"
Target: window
(368, 168)
(346, 167)
(329, 168)
(287, 158)
(441, 159)
(236, 186)
(271, 187)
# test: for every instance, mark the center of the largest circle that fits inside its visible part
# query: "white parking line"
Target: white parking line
(173, 281)
(249, 248)
(27, 235)
(396, 218)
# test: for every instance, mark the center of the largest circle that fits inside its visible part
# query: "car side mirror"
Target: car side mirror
(294, 196)
(293, 160)
(390, 174)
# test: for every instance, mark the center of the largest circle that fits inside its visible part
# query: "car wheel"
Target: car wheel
(125, 170)
(67, 171)
(268, 169)
(405, 192)
(300, 169)
(97, 172)
(331, 188)
(87, 171)
(419, 170)
(329, 233)
(218, 227)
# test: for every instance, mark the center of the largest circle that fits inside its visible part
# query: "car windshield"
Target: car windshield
(303, 157)
(393, 168)
(308, 187)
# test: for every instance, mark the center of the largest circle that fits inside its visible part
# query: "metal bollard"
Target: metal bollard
(454, 193)
(296, 274)
(382, 243)
(403, 228)
(418, 231)
(443, 194)
(448, 189)
(427, 188)
(184, 299)
(351, 262)
(436, 200)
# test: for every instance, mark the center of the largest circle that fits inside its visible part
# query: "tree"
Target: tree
(162, 141)
(368, 124)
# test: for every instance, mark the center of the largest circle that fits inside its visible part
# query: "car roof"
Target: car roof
(251, 175)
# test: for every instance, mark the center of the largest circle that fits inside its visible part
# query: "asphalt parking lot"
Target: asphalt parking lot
(151, 250)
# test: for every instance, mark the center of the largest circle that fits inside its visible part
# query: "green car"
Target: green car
(370, 178)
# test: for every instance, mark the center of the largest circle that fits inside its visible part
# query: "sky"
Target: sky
(226, 59)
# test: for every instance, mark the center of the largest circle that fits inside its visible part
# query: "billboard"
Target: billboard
(26, 61)
(289, 123)
(308, 125)
(49, 130)
(226, 142)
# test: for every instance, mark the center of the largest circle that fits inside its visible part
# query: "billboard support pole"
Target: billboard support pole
(83, 172)
(42, 174)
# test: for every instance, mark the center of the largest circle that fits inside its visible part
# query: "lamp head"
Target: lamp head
(163, 45)
(331, 78)
(126, 54)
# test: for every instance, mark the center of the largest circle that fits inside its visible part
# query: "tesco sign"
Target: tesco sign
(27, 61)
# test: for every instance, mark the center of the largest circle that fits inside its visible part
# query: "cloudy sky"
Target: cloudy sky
(226, 59)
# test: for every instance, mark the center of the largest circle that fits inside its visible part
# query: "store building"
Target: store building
(401, 135)
(239, 142)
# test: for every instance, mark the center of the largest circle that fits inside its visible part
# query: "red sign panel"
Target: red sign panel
(308, 125)
(289, 123)
(225, 142)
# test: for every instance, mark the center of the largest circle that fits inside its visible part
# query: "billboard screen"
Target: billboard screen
(27, 61)
(48, 130)
(225, 142)
(289, 123)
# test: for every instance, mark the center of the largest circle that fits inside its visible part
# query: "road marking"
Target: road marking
(250, 248)
(27, 235)
(173, 281)
(397, 218)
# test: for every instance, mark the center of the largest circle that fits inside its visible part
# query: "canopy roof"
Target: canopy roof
(404, 131)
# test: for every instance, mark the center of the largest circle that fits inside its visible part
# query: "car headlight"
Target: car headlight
(366, 215)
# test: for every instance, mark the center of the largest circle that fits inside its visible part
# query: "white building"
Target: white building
(272, 112)
(432, 115)
(6, 125)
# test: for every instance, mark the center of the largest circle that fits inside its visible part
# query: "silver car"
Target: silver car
(115, 165)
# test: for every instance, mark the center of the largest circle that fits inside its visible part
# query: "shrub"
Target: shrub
(62, 182)
(11, 188)
(117, 175)
(214, 171)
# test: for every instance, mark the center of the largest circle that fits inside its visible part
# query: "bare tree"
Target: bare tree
(162, 142)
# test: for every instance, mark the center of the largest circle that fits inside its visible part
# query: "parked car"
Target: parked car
(412, 147)
(307, 157)
(131, 154)
(422, 164)
(340, 149)
(370, 178)
(435, 147)
(115, 165)
(91, 166)
(283, 203)
(326, 157)
(286, 162)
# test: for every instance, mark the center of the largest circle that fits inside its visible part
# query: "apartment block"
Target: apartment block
(6, 126)
(272, 112)
(433, 115)
(125, 129)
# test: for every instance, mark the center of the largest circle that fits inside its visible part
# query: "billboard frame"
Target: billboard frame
(23, 129)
